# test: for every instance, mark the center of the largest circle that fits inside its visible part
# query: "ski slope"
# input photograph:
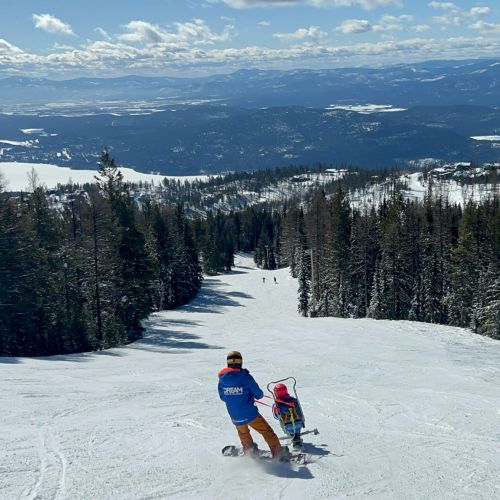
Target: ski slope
(405, 410)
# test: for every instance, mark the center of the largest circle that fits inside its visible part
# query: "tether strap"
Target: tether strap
(292, 419)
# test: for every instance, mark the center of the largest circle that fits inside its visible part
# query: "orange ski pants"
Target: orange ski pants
(262, 427)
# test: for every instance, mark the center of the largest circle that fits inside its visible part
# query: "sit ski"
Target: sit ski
(288, 411)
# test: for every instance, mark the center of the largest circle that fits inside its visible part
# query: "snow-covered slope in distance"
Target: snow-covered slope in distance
(405, 410)
(16, 175)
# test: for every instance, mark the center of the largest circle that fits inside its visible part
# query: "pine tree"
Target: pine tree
(218, 246)
(102, 272)
(338, 262)
(364, 251)
(135, 272)
(304, 267)
(316, 227)
(464, 270)
(290, 239)
(32, 318)
(186, 270)
(393, 281)
(485, 317)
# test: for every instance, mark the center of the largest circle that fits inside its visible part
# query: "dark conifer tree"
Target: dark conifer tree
(338, 258)
(464, 269)
(135, 272)
(290, 240)
(364, 252)
(393, 282)
(316, 227)
(186, 270)
(303, 266)
(218, 246)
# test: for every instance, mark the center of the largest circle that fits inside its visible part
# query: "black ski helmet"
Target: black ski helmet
(234, 359)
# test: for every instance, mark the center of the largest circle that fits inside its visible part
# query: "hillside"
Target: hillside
(404, 410)
(201, 139)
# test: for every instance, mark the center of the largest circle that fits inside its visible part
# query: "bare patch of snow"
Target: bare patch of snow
(366, 109)
(33, 131)
(436, 79)
(27, 144)
(486, 138)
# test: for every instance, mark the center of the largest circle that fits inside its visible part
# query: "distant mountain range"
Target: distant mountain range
(253, 119)
(475, 82)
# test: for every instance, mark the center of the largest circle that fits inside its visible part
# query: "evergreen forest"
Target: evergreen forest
(84, 276)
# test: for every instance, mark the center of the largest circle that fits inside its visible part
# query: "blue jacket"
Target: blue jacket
(238, 389)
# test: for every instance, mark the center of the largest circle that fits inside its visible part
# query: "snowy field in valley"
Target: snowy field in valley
(16, 175)
(405, 410)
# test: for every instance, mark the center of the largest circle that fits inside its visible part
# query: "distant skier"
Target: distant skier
(275, 280)
(263, 279)
(287, 410)
(238, 389)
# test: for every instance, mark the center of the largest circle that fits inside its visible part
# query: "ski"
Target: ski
(312, 431)
(236, 451)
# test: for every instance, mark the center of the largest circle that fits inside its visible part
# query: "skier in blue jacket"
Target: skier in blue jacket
(238, 389)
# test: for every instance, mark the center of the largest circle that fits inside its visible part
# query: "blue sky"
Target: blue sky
(63, 39)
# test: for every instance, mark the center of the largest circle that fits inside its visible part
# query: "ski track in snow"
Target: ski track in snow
(405, 410)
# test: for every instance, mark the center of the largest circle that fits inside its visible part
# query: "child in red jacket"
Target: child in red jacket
(287, 410)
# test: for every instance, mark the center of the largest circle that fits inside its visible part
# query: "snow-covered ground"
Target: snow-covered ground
(405, 410)
(450, 189)
(417, 188)
(366, 109)
(486, 138)
(16, 174)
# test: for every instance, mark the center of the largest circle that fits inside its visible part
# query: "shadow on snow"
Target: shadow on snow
(158, 337)
(285, 470)
(318, 451)
(212, 300)
(164, 340)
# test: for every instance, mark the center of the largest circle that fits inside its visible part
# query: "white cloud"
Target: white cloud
(421, 28)
(448, 20)
(354, 26)
(52, 24)
(365, 4)
(311, 33)
(484, 26)
(392, 23)
(452, 16)
(62, 46)
(479, 11)
(8, 48)
(195, 32)
(143, 32)
(455, 16)
(170, 57)
(102, 33)
(264, 24)
(447, 6)
(385, 23)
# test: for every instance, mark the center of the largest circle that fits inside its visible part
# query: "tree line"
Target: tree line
(424, 261)
(84, 276)
(429, 260)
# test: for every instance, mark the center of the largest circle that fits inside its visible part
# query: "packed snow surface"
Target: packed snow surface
(16, 174)
(405, 410)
